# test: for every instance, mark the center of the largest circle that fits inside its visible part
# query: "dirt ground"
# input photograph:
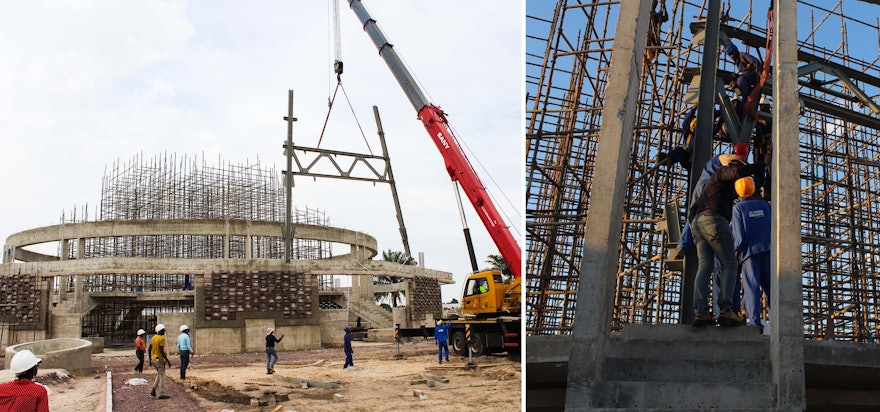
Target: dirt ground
(304, 381)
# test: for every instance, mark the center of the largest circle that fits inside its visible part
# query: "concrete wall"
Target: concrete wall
(172, 322)
(65, 353)
(66, 325)
(332, 322)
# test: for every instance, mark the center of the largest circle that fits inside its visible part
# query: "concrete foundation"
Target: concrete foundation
(64, 353)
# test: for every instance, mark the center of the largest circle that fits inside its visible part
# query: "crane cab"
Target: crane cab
(483, 293)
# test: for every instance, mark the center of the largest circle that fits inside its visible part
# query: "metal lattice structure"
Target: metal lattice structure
(169, 187)
(568, 53)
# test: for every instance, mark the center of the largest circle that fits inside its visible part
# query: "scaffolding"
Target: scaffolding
(169, 186)
(568, 54)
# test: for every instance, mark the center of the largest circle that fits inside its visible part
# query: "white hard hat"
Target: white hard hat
(183, 328)
(269, 331)
(141, 332)
(23, 361)
(160, 327)
(439, 322)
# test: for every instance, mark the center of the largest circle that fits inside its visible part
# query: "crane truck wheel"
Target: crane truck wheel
(459, 343)
(478, 345)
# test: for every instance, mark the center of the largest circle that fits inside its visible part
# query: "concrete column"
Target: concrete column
(226, 242)
(786, 291)
(65, 248)
(248, 242)
(592, 322)
(80, 248)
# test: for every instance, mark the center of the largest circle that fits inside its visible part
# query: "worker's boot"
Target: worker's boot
(730, 318)
(703, 319)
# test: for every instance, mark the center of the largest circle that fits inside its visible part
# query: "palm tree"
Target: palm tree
(397, 257)
(496, 262)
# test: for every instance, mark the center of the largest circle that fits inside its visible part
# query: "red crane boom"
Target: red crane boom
(457, 164)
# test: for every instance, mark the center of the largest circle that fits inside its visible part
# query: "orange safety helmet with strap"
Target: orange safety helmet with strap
(745, 187)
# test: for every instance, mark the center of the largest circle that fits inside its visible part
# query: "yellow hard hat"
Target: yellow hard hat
(745, 186)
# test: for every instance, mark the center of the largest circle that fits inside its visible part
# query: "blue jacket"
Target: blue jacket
(347, 347)
(750, 225)
(441, 333)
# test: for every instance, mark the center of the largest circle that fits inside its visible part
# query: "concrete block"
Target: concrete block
(677, 349)
(686, 370)
(690, 333)
(682, 395)
(255, 332)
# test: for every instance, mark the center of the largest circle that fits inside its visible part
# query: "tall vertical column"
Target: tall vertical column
(65, 248)
(702, 146)
(786, 291)
(592, 322)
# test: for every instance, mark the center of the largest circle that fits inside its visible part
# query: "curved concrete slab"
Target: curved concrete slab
(207, 227)
(62, 353)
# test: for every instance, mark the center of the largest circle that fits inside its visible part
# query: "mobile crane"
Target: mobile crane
(491, 310)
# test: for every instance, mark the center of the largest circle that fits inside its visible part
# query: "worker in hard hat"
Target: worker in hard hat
(271, 353)
(441, 335)
(750, 225)
(748, 67)
(23, 394)
(346, 347)
(159, 359)
(710, 219)
(687, 240)
(140, 347)
(184, 348)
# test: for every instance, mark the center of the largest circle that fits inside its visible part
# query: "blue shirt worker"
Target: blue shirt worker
(184, 347)
(750, 225)
(441, 334)
(349, 361)
(710, 223)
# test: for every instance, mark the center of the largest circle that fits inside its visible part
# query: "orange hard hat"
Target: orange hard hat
(741, 150)
(745, 187)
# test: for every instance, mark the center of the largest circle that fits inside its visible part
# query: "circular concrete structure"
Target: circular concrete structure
(61, 353)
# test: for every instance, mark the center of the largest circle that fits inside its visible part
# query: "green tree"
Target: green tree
(453, 301)
(395, 256)
(496, 262)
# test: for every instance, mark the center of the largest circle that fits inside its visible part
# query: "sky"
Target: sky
(86, 84)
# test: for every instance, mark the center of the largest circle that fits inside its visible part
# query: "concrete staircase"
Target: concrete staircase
(653, 367)
(371, 313)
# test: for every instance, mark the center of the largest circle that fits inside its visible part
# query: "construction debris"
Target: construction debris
(430, 380)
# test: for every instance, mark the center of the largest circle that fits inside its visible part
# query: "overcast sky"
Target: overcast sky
(84, 84)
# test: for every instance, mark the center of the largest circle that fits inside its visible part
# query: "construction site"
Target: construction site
(609, 299)
(226, 251)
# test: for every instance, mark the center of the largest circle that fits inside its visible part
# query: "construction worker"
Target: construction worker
(346, 347)
(441, 335)
(687, 240)
(710, 219)
(184, 347)
(657, 18)
(750, 225)
(140, 347)
(159, 359)
(271, 353)
(748, 67)
(23, 394)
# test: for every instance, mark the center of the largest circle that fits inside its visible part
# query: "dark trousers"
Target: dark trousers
(184, 363)
(348, 360)
(442, 346)
(140, 365)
